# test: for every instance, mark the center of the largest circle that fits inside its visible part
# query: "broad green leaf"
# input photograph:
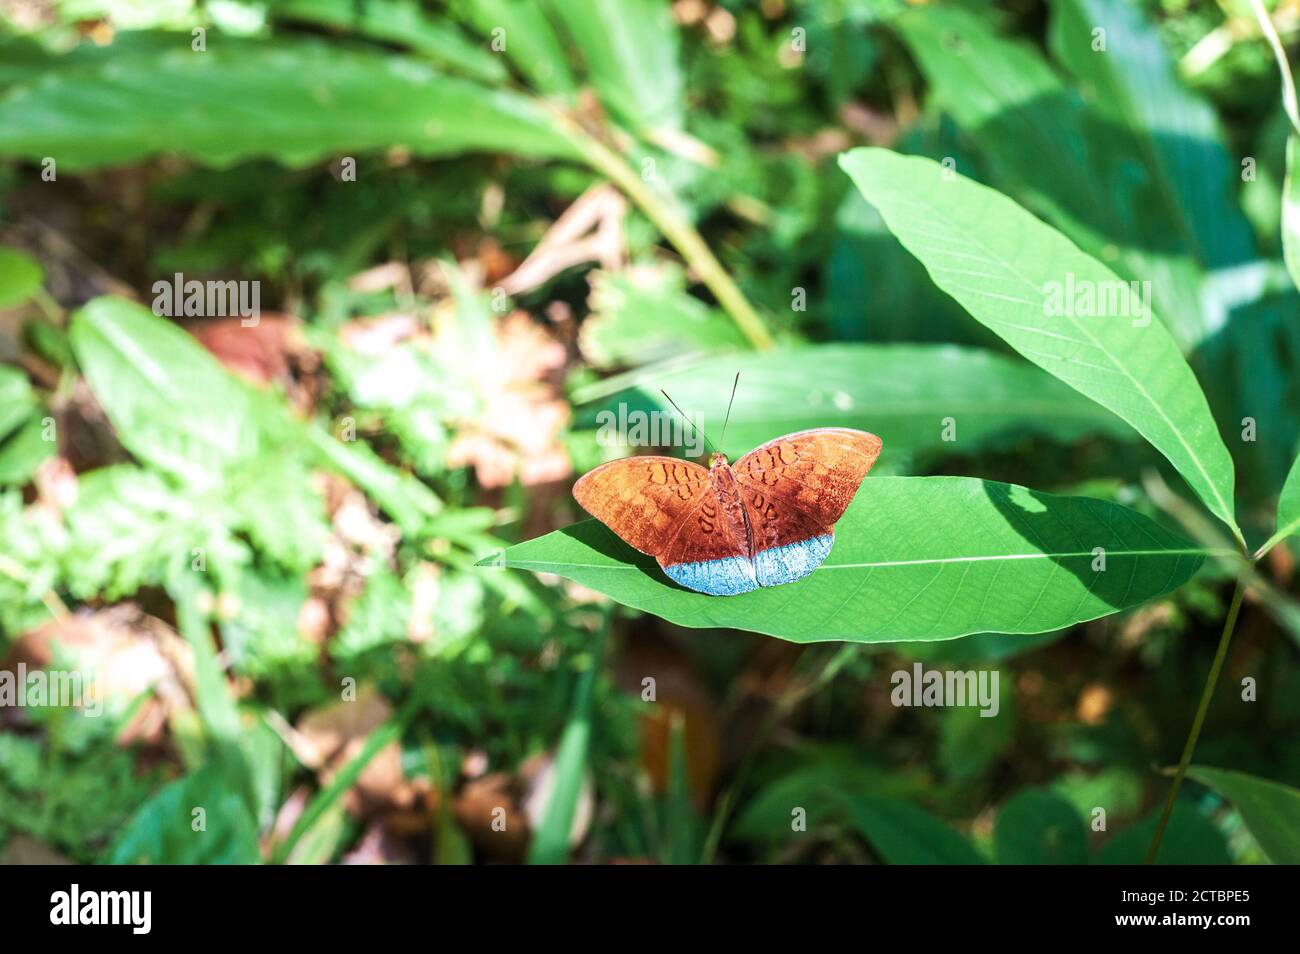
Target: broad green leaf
(20, 277)
(172, 403)
(401, 22)
(529, 39)
(644, 314)
(905, 394)
(915, 558)
(1013, 274)
(1038, 827)
(295, 101)
(1190, 839)
(1271, 810)
(631, 51)
(903, 834)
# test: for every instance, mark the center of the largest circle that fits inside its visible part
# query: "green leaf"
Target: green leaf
(903, 834)
(295, 101)
(16, 399)
(531, 43)
(172, 403)
(163, 832)
(1038, 827)
(1271, 810)
(901, 393)
(1006, 267)
(20, 277)
(631, 51)
(401, 22)
(23, 451)
(1288, 509)
(915, 558)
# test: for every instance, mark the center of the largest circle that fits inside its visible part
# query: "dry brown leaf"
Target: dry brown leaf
(589, 230)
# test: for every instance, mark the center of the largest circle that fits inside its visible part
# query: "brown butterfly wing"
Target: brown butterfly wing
(798, 486)
(662, 506)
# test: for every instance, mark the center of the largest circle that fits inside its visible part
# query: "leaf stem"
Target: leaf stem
(1277, 538)
(1229, 624)
(1269, 31)
(677, 230)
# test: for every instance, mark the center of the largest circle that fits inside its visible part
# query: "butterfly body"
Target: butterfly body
(728, 530)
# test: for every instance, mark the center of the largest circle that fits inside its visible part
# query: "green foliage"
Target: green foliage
(294, 100)
(309, 532)
(1017, 276)
(1038, 827)
(1271, 811)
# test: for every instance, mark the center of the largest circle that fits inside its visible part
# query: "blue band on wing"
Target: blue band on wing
(732, 575)
(725, 577)
(791, 562)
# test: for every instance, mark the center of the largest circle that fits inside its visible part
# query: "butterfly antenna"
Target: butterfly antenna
(729, 403)
(687, 419)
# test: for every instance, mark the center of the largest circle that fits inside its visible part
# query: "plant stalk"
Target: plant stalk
(1229, 624)
(678, 231)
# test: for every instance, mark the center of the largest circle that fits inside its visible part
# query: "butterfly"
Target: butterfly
(723, 530)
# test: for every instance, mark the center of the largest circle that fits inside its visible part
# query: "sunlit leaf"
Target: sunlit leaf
(295, 101)
(1026, 281)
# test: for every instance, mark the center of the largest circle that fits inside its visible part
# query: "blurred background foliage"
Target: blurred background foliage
(472, 224)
